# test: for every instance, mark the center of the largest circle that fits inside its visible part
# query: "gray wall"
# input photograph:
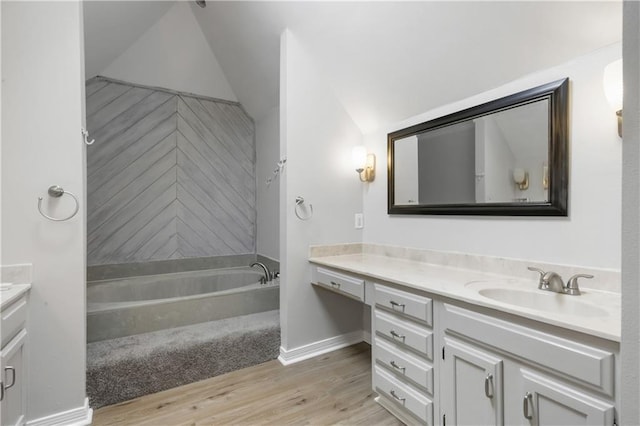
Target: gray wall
(170, 176)
(447, 165)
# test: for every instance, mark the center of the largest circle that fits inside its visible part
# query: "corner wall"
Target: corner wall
(316, 136)
(42, 98)
(268, 196)
(630, 386)
(589, 236)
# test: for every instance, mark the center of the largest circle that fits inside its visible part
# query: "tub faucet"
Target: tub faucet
(267, 273)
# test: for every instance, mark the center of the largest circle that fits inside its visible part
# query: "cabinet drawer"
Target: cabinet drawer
(350, 286)
(570, 359)
(404, 332)
(403, 395)
(412, 305)
(404, 365)
(13, 320)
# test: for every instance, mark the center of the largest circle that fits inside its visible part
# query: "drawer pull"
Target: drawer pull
(1, 391)
(525, 405)
(488, 381)
(396, 335)
(13, 376)
(396, 304)
(335, 284)
(393, 394)
(397, 367)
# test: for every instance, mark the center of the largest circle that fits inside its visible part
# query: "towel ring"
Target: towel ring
(56, 191)
(299, 203)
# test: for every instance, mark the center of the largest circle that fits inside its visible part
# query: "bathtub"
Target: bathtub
(126, 306)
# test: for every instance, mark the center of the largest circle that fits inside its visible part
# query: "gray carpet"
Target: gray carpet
(128, 367)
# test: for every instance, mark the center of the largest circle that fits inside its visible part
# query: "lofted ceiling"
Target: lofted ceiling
(386, 61)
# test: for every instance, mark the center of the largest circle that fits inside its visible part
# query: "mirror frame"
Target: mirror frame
(557, 93)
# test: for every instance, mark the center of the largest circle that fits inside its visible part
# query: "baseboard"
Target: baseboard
(80, 416)
(288, 357)
(366, 336)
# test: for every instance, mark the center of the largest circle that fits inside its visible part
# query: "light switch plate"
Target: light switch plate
(359, 220)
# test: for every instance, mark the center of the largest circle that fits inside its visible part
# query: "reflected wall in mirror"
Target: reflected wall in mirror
(505, 157)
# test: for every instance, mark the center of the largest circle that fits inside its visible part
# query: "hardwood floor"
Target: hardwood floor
(334, 388)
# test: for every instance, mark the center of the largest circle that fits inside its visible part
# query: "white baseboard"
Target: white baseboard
(80, 416)
(288, 357)
(366, 336)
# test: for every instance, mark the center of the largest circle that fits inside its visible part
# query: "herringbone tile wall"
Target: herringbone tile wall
(170, 176)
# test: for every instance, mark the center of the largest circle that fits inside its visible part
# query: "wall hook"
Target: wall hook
(300, 205)
(56, 191)
(85, 133)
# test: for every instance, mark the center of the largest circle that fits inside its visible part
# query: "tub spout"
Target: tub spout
(267, 273)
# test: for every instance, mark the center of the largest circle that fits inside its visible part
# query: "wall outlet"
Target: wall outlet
(359, 220)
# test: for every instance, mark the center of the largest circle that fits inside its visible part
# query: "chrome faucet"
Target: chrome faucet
(267, 274)
(552, 281)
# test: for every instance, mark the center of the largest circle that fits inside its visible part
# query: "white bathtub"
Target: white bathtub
(134, 305)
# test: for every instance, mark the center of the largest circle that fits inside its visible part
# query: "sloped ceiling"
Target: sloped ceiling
(391, 60)
(110, 27)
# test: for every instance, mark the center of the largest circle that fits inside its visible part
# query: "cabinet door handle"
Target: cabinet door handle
(488, 391)
(393, 394)
(525, 405)
(396, 335)
(13, 376)
(397, 367)
(396, 304)
(1, 391)
(335, 284)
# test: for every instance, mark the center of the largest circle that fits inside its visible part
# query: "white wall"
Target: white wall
(173, 54)
(497, 165)
(630, 386)
(317, 137)
(590, 236)
(268, 197)
(42, 98)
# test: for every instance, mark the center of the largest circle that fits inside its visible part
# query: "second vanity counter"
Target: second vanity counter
(594, 312)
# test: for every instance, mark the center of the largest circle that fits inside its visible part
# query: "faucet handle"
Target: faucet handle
(572, 285)
(542, 274)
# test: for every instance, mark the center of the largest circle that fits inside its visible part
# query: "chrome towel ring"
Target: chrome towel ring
(56, 191)
(300, 206)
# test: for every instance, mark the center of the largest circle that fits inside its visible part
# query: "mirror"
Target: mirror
(506, 157)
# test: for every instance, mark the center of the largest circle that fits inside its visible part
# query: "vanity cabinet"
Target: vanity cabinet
(13, 363)
(403, 354)
(495, 372)
(440, 361)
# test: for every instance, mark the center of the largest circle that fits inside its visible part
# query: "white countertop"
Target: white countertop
(463, 285)
(15, 292)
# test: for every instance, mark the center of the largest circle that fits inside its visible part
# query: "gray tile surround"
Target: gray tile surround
(123, 270)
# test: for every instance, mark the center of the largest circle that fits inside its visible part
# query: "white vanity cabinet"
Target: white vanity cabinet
(495, 372)
(403, 354)
(442, 361)
(13, 363)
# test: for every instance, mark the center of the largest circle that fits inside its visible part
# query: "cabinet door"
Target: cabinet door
(13, 379)
(548, 401)
(470, 385)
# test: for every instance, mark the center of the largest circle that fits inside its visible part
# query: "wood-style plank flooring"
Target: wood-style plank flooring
(334, 388)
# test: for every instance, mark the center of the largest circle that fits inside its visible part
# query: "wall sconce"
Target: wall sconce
(521, 178)
(612, 82)
(364, 163)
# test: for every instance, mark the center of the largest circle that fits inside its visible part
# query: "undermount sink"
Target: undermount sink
(543, 301)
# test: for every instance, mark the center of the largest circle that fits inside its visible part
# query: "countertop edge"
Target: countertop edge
(539, 316)
(9, 296)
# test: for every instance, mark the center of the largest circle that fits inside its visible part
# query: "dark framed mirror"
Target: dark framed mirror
(507, 157)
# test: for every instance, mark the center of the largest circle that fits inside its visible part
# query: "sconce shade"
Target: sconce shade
(612, 83)
(359, 154)
(521, 178)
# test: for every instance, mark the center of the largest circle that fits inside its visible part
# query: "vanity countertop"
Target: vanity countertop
(15, 292)
(464, 285)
